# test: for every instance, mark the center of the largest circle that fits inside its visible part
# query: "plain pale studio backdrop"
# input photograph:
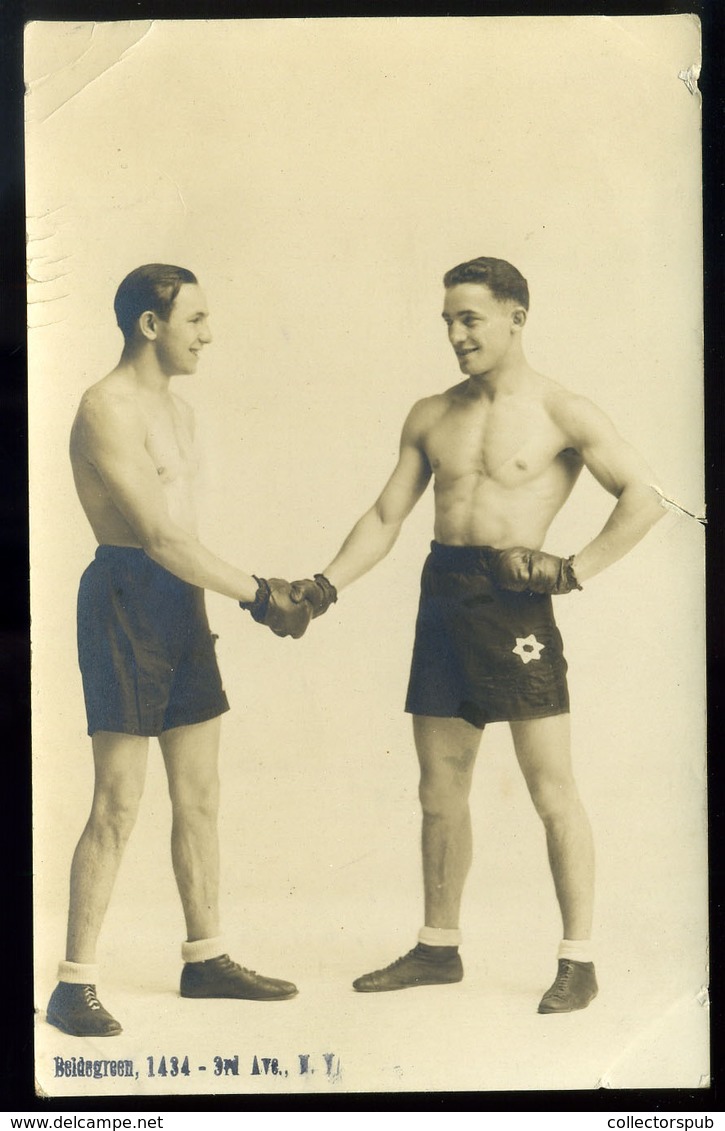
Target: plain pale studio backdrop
(319, 176)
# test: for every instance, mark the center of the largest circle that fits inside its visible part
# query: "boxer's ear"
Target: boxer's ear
(147, 325)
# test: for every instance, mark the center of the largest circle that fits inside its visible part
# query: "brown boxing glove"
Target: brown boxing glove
(532, 571)
(273, 607)
(320, 593)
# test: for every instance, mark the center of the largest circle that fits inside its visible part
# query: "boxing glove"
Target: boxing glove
(320, 593)
(273, 607)
(533, 571)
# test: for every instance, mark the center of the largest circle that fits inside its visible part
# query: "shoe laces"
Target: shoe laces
(225, 963)
(398, 962)
(89, 993)
(561, 983)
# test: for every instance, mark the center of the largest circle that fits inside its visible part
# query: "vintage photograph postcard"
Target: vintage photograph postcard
(367, 555)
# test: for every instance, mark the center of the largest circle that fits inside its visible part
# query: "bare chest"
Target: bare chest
(170, 444)
(512, 443)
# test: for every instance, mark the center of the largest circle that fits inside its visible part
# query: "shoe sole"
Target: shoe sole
(237, 997)
(58, 1024)
(404, 986)
(574, 1009)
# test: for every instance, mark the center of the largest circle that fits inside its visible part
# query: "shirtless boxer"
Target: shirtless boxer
(145, 650)
(505, 448)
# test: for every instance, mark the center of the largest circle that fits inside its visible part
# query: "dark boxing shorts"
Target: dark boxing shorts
(145, 650)
(481, 653)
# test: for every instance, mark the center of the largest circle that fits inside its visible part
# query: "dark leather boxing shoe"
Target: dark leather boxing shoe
(220, 977)
(574, 987)
(421, 966)
(76, 1010)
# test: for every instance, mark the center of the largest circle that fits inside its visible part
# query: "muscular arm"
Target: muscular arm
(110, 434)
(375, 533)
(622, 472)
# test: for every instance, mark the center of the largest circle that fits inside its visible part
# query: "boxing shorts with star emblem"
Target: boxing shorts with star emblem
(483, 653)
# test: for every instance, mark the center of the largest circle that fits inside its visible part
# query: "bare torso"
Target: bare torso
(164, 425)
(502, 466)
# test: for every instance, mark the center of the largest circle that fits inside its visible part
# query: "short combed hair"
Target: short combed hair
(505, 282)
(151, 287)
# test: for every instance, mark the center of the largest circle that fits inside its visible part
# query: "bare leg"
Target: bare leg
(447, 750)
(191, 758)
(543, 751)
(120, 767)
(191, 755)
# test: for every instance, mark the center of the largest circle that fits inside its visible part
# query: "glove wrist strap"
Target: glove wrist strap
(258, 607)
(329, 592)
(570, 574)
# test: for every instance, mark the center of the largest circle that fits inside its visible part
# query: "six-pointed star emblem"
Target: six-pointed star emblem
(528, 648)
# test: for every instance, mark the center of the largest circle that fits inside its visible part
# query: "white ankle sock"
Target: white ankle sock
(440, 936)
(578, 950)
(201, 950)
(78, 973)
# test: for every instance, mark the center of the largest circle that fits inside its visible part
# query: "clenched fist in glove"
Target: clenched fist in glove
(533, 571)
(319, 594)
(272, 606)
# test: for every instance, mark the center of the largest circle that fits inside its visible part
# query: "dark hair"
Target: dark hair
(504, 281)
(151, 287)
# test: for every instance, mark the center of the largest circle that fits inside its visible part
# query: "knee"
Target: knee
(442, 798)
(113, 817)
(555, 800)
(198, 805)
